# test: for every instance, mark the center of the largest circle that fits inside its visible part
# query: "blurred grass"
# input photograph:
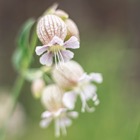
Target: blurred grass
(115, 118)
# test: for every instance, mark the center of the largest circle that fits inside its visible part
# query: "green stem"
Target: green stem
(137, 137)
(18, 85)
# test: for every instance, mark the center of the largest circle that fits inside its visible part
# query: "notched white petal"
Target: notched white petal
(72, 43)
(46, 59)
(65, 121)
(67, 55)
(41, 49)
(69, 99)
(45, 123)
(73, 114)
(96, 77)
(56, 40)
(89, 91)
(85, 78)
(46, 114)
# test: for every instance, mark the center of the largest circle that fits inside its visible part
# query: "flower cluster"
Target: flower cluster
(65, 79)
(57, 34)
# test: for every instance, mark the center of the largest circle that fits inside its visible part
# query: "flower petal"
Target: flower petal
(96, 77)
(45, 123)
(56, 40)
(69, 99)
(95, 97)
(72, 43)
(89, 91)
(97, 102)
(65, 121)
(84, 77)
(67, 55)
(73, 114)
(41, 49)
(46, 59)
(46, 114)
(60, 111)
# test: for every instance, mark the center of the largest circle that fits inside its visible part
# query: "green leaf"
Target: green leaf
(23, 39)
(33, 74)
(21, 54)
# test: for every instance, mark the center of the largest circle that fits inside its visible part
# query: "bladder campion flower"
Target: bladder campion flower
(56, 110)
(52, 31)
(71, 77)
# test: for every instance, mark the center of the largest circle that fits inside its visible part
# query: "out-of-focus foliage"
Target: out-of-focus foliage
(23, 51)
(117, 116)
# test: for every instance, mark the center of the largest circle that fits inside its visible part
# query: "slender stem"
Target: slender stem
(137, 137)
(18, 85)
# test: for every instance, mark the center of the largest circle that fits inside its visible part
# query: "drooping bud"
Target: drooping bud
(72, 29)
(68, 75)
(52, 98)
(50, 26)
(62, 14)
(37, 87)
(72, 77)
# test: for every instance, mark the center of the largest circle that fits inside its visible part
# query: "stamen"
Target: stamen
(84, 104)
(59, 60)
(55, 60)
(57, 128)
(62, 59)
(63, 128)
(58, 56)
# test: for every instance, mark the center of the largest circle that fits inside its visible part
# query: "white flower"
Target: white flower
(85, 90)
(56, 110)
(67, 77)
(72, 78)
(57, 49)
(52, 31)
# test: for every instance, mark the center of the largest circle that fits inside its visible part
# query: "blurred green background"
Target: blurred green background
(110, 44)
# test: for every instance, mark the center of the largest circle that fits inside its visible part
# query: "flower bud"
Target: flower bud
(49, 26)
(72, 29)
(37, 87)
(62, 14)
(52, 98)
(69, 74)
(58, 12)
